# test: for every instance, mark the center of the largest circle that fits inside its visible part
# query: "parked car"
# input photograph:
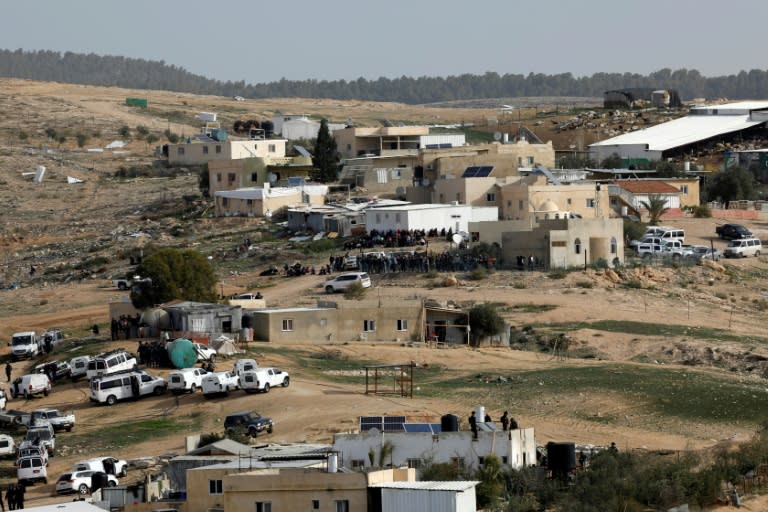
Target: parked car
(248, 423)
(7, 445)
(44, 436)
(743, 247)
(130, 384)
(244, 365)
(55, 369)
(81, 482)
(205, 353)
(344, 281)
(186, 380)
(3, 399)
(51, 338)
(702, 252)
(30, 385)
(732, 231)
(220, 383)
(262, 379)
(108, 465)
(52, 417)
(31, 470)
(25, 345)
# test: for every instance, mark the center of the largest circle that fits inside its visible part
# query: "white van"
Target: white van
(78, 366)
(7, 445)
(25, 344)
(108, 389)
(30, 449)
(743, 247)
(43, 435)
(186, 379)
(30, 385)
(31, 470)
(262, 379)
(110, 362)
(666, 233)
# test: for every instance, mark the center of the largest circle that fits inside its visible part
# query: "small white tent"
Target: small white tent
(224, 346)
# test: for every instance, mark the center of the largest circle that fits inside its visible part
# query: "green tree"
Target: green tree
(731, 185)
(668, 170)
(174, 274)
(326, 159)
(81, 139)
(484, 320)
(23, 135)
(125, 131)
(612, 162)
(142, 130)
(151, 138)
(491, 486)
(204, 181)
(656, 205)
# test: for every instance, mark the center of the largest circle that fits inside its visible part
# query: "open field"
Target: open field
(664, 359)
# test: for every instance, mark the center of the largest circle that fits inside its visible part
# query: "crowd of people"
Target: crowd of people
(507, 422)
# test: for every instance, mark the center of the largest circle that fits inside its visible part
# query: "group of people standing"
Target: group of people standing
(507, 423)
(14, 496)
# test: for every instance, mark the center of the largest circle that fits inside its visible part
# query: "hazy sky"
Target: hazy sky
(261, 41)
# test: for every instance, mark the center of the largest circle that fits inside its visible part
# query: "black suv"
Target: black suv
(733, 231)
(249, 423)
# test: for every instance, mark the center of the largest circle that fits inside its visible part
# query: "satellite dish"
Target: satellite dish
(464, 235)
(457, 238)
(496, 135)
(272, 177)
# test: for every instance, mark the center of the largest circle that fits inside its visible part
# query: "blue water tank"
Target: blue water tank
(182, 353)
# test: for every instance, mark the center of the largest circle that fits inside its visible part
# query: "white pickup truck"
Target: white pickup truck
(671, 249)
(38, 418)
(262, 379)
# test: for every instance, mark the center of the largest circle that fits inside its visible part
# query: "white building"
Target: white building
(701, 124)
(514, 448)
(294, 127)
(420, 496)
(455, 217)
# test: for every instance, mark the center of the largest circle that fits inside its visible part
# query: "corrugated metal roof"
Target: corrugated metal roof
(459, 485)
(680, 132)
(647, 187)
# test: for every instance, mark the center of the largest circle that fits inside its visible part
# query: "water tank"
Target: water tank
(480, 413)
(561, 457)
(218, 134)
(182, 353)
(449, 423)
(624, 211)
(333, 462)
(268, 127)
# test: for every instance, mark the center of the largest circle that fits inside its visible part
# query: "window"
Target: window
(491, 198)
(458, 197)
(402, 325)
(683, 189)
(180, 151)
(590, 203)
(254, 176)
(349, 147)
(249, 202)
(614, 201)
(481, 460)
(231, 177)
(315, 504)
(224, 201)
(215, 487)
(577, 245)
(287, 324)
(530, 160)
(218, 177)
(205, 150)
(369, 325)
(263, 506)
(519, 161)
(520, 205)
(613, 245)
(218, 149)
(342, 505)
(271, 148)
(504, 459)
(415, 463)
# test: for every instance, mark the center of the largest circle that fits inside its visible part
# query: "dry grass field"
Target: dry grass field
(661, 359)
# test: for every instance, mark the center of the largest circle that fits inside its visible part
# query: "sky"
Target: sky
(261, 41)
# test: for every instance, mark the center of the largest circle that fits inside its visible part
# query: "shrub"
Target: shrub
(478, 274)
(558, 273)
(585, 284)
(355, 291)
(701, 212)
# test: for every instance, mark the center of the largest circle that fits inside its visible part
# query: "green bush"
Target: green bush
(355, 291)
(701, 211)
(558, 273)
(478, 274)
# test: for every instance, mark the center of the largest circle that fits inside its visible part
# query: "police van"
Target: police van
(114, 361)
(125, 385)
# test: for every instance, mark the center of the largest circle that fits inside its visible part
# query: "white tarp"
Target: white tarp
(72, 180)
(224, 346)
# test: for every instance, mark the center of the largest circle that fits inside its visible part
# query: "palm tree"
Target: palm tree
(656, 205)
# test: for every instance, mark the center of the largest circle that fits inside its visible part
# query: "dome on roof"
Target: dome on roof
(549, 206)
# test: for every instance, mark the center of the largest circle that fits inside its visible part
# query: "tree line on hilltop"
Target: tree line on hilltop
(108, 70)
